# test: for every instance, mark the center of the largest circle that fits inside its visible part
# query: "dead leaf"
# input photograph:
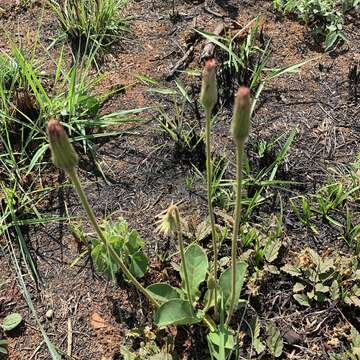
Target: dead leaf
(97, 322)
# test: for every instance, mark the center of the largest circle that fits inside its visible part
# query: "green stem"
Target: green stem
(208, 302)
(239, 160)
(85, 203)
(208, 321)
(182, 254)
(209, 197)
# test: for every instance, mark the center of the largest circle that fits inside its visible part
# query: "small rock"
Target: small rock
(49, 314)
(291, 337)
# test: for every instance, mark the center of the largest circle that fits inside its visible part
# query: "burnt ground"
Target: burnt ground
(145, 174)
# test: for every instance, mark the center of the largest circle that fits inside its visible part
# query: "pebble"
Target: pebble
(49, 314)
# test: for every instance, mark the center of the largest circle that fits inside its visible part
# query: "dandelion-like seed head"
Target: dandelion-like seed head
(167, 222)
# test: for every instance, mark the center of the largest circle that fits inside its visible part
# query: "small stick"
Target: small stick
(182, 63)
(69, 338)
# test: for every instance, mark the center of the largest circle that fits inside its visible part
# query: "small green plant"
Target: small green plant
(127, 243)
(189, 183)
(331, 197)
(274, 340)
(273, 344)
(324, 278)
(222, 196)
(331, 203)
(90, 24)
(325, 17)
(260, 183)
(301, 207)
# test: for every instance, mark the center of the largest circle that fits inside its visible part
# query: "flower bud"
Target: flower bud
(63, 153)
(241, 118)
(208, 95)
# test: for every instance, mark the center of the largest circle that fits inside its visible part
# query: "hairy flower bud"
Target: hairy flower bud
(241, 118)
(208, 95)
(63, 153)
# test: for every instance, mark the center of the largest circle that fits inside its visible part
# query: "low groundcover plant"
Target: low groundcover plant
(184, 305)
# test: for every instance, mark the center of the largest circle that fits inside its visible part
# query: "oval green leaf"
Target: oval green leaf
(175, 312)
(197, 266)
(12, 321)
(163, 292)
(225, 282)
(138, 264)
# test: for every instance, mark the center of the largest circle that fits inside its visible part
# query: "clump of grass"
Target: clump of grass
(90, 24)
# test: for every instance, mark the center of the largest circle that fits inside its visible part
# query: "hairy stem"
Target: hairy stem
(237, 213)
(85, 203)
(209, 197)
(182, 254)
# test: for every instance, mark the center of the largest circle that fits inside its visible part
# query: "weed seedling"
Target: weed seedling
(351, 232)
(178, 124)
(125, 242)
(304, 212)
(331, 197)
